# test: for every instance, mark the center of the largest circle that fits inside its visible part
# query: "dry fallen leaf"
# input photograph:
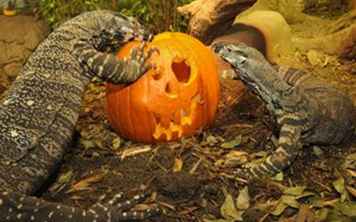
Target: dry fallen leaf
(233, 143)
(351, 190)
(351, 172)
(229, 211)
(233, 159)
(62, 181)
(178, 165)
(86, 182)
(243, 200)
(135, 151)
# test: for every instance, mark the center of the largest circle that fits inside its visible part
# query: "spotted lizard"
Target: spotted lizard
(308, 110)
(39, 111)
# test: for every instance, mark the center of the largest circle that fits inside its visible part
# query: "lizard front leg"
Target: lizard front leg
(288, 147)
(109, 68)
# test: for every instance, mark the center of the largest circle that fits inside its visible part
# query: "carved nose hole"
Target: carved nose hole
(169, 89)
(182, 71)
(157, 76)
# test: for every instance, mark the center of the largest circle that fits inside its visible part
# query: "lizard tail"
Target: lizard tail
(354, 121)
(21, 208)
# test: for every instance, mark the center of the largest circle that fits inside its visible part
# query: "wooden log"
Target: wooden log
(208, 18)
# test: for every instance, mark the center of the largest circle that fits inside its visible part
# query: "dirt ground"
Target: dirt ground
(185, 177)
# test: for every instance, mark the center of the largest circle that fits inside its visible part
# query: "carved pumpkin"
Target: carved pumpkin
(175, 99)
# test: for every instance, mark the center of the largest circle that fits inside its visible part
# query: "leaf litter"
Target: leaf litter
(204, 157)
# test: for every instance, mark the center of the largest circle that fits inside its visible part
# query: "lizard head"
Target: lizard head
(253, 69)
(121, 29)
(242, 58)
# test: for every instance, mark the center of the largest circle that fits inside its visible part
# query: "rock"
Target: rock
(3, 56)
(352, 5)
(13, 52)
(340, 40)
(275, 30)
(4, 82)
(211, 17)
(20, 35)
(12, 69)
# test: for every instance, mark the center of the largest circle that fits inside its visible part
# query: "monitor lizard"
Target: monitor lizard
(307, 109)
(39, 111)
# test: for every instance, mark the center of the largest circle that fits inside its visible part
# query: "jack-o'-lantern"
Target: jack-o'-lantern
(176, 98)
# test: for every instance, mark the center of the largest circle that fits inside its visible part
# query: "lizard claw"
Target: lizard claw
(244, 174)
(136, 64)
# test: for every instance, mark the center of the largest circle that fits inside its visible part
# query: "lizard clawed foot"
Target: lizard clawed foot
(120, 210)
(138, 61)
(243, 174)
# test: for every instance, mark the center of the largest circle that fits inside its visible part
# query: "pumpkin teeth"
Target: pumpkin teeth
(168, 132)
(186, 119)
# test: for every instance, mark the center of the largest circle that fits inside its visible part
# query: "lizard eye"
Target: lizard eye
(217, 47)
(242, 59)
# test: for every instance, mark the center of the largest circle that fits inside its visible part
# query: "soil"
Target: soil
(198, 188)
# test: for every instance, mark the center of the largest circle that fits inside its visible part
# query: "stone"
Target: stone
(20, 35)
(4, 82)
(210, 18)
(12, 69)
(274, 28)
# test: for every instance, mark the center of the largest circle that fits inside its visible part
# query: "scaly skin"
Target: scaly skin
(308, 110)
(39, 112)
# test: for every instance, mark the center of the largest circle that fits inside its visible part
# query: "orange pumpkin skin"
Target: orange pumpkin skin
(175, 99)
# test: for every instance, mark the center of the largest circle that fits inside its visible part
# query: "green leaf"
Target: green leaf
(279, 209)
(352, 156)
(322, 214)
(88, 144)
(211, 140)
(339, 186)
(233, 143)
(228, 210)
(295, 191)
(347, 208)
(66, 177)
(62, 181)
(317, 151)
(290, 201)
(305, 194)
(279, 176)
(116, 143)
(243, 200)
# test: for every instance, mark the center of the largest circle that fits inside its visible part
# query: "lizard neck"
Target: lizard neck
(265, 82)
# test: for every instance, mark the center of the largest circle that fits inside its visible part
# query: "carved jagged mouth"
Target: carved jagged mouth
(174, 128)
